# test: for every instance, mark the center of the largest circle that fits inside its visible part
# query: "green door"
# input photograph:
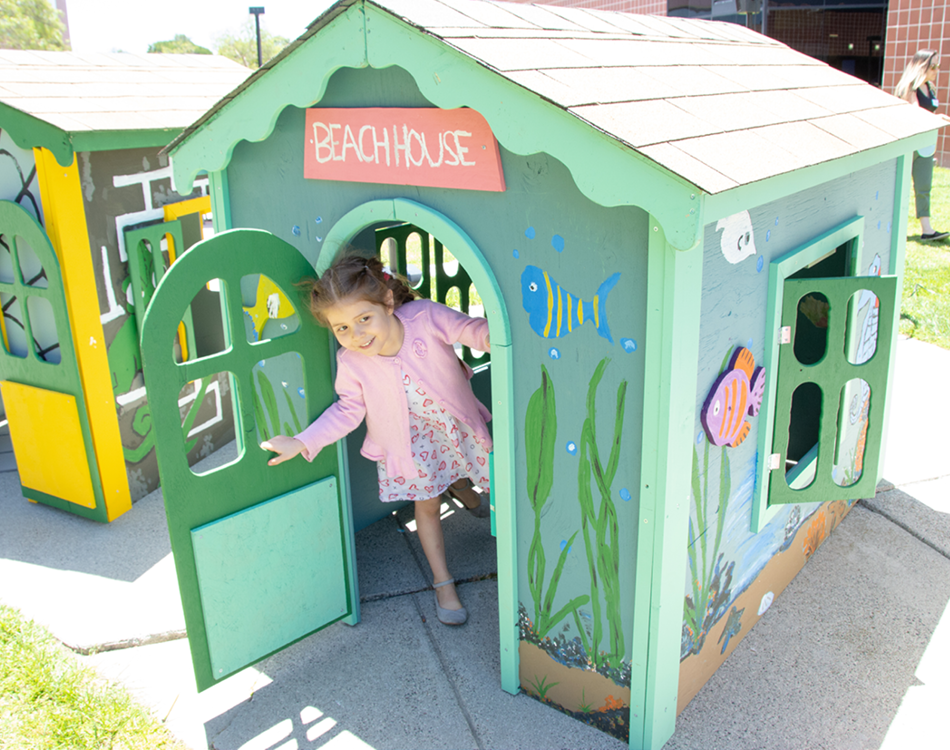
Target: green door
(264, 554)
(39, 374)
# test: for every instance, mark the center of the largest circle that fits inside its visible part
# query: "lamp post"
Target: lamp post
(257, 23)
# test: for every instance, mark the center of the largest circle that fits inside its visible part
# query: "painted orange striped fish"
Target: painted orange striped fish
(736, 393)
(554, 312)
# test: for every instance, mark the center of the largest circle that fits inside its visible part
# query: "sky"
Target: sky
(121, 25)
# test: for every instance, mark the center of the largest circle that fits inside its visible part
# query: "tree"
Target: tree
(242, 46)
(180, 45)
(31, 24)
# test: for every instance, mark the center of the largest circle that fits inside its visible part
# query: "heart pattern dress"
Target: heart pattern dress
(443, 449)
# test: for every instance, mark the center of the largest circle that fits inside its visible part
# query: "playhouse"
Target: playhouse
(88, 221)
(688, 242)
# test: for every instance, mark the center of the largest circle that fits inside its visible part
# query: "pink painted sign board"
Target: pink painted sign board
(447, 148)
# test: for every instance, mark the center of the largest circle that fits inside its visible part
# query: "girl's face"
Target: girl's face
(366, 327)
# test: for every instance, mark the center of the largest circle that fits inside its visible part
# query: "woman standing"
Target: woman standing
(917, 87)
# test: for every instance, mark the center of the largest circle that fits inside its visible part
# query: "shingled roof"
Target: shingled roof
(714, 103)
(76, 95)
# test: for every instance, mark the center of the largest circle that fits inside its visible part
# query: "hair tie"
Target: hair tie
(387, 276)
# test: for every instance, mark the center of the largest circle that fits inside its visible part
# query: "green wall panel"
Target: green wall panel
(733, 536)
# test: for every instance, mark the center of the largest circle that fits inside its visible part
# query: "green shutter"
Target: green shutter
(147, 266)
(830, 374)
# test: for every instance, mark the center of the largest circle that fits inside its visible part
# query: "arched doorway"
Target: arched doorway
(464, 249)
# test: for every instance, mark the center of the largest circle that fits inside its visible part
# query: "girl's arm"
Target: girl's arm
(338, 420)
(453, 326)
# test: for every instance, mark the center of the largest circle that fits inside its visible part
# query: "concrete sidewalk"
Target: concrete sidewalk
(852, 656)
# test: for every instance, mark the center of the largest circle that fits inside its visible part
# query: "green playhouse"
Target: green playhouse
(688, 242)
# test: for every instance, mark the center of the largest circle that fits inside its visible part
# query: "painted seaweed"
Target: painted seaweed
(711, 582)
(603, 551)
(540, 437)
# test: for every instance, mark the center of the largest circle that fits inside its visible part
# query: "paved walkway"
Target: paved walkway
(852, 656)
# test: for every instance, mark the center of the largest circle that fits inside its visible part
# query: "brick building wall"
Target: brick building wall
(914, 25)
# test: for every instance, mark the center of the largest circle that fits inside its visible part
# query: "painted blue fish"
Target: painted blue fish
(554, 312)
(733, 626)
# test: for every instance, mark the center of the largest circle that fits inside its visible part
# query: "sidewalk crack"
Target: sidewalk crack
(900, 524)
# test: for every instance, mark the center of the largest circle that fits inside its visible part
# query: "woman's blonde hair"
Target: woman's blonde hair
(915, 73)
(352, 275)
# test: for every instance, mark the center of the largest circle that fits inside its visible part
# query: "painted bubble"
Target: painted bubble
(302, 393)
(296, 231)
(766, 603)
(283, 383)
(699, 438)
(571, 447)
(768, 234)
(876, 194)
(749, 344)
(760, 263)
(878, 224)
(261, 363)
(529, 233)
(564, 544)
(776, 221)
(557, 242)
(319, 239)
(629, 345)
(888, 227)
(515, 252)
(318, 220)
(554, 353)
(625, 495)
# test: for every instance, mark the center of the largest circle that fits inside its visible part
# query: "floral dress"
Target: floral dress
(443, 449)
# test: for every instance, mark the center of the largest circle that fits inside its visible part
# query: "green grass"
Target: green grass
(925, 303)
(49, 701)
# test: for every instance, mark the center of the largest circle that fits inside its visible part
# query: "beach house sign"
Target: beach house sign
(446, 148)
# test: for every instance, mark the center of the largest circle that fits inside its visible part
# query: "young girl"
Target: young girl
(398, 369)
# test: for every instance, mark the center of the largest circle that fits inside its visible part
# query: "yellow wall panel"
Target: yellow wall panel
(47, 439)
(61, 196)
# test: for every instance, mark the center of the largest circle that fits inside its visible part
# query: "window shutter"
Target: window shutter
(853, 353)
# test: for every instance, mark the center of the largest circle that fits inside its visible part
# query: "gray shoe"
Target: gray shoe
(448, 616)
(482, 510)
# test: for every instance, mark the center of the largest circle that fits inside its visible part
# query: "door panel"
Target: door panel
(38, 366)
(238, 559)
(39, 420)
(263, 554)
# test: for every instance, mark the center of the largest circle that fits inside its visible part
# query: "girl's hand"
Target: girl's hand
(285, 448)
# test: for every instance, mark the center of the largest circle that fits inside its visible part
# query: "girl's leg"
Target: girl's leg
(429, 526)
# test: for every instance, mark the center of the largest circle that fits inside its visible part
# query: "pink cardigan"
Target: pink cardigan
(372, 387)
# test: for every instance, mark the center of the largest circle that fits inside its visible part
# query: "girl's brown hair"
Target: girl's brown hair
(353, 275)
